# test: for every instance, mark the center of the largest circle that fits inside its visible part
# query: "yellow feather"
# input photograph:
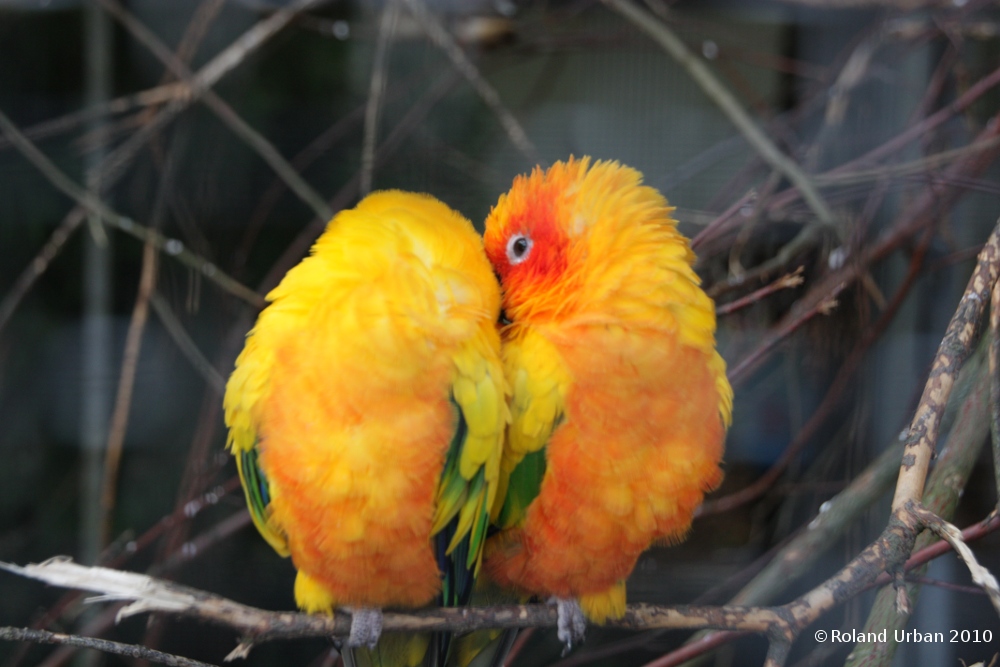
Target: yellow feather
(599, 607)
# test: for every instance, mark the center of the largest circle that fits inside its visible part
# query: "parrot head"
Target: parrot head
(557, 230)
(528, 244)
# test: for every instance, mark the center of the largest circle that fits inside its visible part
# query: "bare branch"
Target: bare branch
(726, 102)
(116, 648)
(953, 536)
(444, 41)
(954, 347)
(787, 281)
(126, 382)
(376, 89)
(147, 594)
(37, 267)
(187, 345)
(240, 127)
(172, 247)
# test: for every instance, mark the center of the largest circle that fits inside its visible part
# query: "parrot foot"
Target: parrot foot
(366, 627)
(572, 625)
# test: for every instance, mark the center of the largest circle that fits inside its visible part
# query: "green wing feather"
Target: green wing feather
(467, 490)
(258, 495)
(522, 488)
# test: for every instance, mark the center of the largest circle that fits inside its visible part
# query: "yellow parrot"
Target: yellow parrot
(620, 400)
(366, 414)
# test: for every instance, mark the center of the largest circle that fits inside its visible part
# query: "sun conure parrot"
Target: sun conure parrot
(620, 401)
(366, 414)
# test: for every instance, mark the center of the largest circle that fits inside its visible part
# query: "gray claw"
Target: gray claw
(572, 625)
(366, 627)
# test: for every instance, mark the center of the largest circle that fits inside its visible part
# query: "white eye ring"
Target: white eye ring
(518, 248)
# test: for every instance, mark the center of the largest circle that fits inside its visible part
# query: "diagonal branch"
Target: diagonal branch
(444, 41)
(126, 384)
(254, 139)
(30, 275)
(187, 346)
(172, 247)
(376, 90)
(727, 103)
(953, 536)
(955, 346)
(116, 648)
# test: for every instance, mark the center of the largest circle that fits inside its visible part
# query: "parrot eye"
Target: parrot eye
(518, 248)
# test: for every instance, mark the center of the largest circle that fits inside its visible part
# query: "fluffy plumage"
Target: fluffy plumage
(620, 401)
(367, 409)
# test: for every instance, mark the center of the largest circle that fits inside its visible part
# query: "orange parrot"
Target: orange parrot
(620, 400)
(366, 414)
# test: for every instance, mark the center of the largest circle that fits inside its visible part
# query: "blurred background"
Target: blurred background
(116, 339)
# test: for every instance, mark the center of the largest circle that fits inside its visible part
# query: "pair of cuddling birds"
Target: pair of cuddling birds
(397, 442)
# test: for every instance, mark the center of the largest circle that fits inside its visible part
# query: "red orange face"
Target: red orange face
(526, 240)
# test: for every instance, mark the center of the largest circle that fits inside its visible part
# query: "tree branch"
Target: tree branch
(954, 348)
(726, 102)
(444, 41)
(953, 536)
(148, 594)
(171, 247)
(256, 141)
(117, 648)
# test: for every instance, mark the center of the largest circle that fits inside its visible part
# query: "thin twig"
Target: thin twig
(199, 23)
(953, 536)
(203, 541)
(376, 89)
(264, 148)
(187, 345)
(181, 96)
(799, 243)
(726, 102)
(151, 97)
(104, 645)
(294, 251)
(444, 41)
(126, 382)
(833, 394)
(919, 166)
(873, 4)
(171, 247)
(696, 648)
(743, 206)
(787, 281)
(522, 640)
(804, 311)
(945, 585)
(26, 280)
